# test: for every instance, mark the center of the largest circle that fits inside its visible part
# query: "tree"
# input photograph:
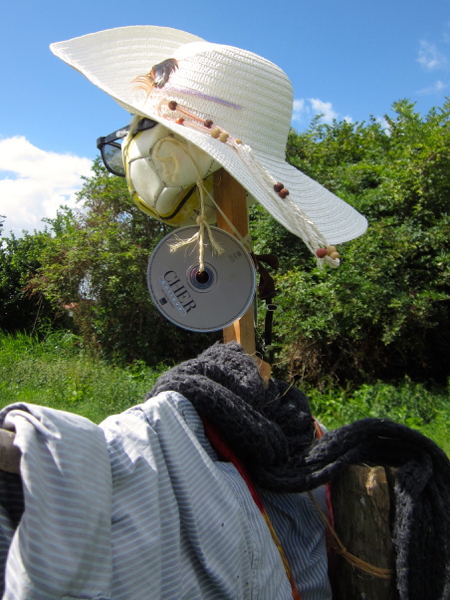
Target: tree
(96, 264)
(20, 261)
(385, 311)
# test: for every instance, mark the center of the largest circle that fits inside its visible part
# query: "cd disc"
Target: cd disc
(205, 301)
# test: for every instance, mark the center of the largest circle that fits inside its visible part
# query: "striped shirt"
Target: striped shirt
(140, 507)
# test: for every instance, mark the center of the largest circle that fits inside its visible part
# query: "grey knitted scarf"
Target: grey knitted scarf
(272, 432)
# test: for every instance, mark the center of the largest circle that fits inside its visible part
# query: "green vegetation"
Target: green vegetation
(385, 312)
(19, 261)
(96, 263)
(408, 403)
(54, 372)
(368, 339)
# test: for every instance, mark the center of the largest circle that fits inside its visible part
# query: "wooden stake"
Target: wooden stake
(231, 197)
(362, 499)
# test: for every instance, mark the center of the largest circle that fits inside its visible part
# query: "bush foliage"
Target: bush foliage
(382, 315)
(94, 268)
(20, 260)
(385, 312)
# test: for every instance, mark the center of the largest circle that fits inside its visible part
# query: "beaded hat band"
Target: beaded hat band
(231, 103)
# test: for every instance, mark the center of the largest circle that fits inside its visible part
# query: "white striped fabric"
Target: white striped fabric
(140, 508)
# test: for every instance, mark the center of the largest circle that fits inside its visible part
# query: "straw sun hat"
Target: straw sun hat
(169, 75)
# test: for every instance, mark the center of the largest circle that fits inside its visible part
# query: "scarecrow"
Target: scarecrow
(210, 489)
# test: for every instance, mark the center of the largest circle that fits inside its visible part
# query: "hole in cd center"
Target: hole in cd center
(203, 281)
(202, 277)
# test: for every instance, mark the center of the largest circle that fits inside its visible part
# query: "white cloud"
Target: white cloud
(430, 58)
(300, 111)
(324, 108)
(299, 105)
(384, 124)
(348, 119)
(304, 110)
(434, 89)
(36, 183)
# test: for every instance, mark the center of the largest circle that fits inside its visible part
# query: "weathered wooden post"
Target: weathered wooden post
(363, 505)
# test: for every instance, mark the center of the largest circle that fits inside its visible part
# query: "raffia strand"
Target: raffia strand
(201, 219)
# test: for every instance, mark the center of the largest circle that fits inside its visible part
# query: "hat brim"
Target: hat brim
(111, 59)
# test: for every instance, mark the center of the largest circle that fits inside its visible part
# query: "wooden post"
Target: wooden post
(362, 499)
(231, 197)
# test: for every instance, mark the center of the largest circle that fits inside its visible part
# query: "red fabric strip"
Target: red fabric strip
(227, 454)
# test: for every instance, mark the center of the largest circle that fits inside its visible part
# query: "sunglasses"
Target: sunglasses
(111, 146)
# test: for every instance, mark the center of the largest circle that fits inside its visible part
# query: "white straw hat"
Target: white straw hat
(243, 94)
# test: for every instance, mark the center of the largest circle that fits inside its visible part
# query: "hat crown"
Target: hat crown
(241, 92)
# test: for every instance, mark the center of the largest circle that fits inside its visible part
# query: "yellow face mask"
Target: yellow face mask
(162, 169)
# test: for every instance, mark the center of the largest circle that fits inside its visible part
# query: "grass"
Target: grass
(409, 403)
(57, 373)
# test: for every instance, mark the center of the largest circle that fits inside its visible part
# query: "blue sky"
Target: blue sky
(347, 59)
